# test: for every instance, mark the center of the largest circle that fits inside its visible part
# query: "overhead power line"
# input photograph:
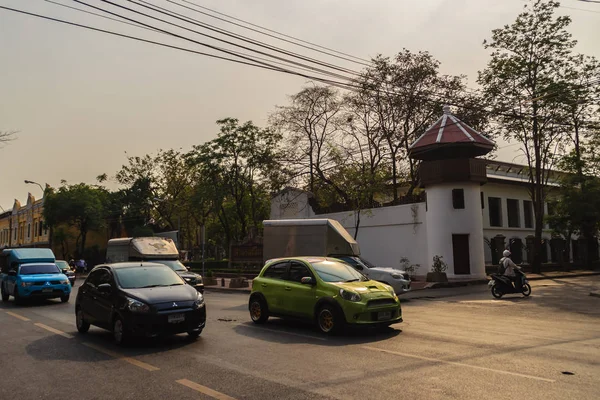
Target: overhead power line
(193, 31)
(154, 30)
(196, 22)
(350, 85)
(272, 31)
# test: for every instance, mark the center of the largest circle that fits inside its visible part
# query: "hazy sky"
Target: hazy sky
(81, 99)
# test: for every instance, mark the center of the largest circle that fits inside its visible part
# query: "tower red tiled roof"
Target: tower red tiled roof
(449, 131)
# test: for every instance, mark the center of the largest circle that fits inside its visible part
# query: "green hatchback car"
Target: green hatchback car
(325, 290)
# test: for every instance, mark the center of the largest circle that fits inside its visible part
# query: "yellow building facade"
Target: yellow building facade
(23, 226)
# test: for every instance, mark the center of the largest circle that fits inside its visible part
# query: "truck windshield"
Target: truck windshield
(335, 271)
(146, 277)
(175, 265)
(38, 269)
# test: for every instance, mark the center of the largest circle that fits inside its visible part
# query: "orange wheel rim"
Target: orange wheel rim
(255, 310)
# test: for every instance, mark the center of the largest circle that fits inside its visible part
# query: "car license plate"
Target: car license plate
(176, 318)
(384, 315)
(46, 290)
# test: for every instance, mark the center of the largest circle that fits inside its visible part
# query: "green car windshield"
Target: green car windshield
(335, 271)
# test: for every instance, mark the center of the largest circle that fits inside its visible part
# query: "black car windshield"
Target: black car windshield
(146, 277)
(335, 271)
(38, 269)
(175, 265)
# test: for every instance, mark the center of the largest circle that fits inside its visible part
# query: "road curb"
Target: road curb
(578, 275)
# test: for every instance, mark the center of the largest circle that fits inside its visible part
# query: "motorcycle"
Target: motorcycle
(502, 284)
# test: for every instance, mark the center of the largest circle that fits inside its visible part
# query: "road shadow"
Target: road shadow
(288, 331)
(56, 348)
(33, 303)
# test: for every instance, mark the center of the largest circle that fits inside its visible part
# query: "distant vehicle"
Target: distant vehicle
(324, 290)
(155, 249)
(326, 238)
(139, 299)
(32, 273)
(66, 269)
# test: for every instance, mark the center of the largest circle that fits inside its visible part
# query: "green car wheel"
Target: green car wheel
(329, 320)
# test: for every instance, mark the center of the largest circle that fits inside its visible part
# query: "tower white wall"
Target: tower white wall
(443, 221)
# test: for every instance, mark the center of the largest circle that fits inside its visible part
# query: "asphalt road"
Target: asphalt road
(468, 346)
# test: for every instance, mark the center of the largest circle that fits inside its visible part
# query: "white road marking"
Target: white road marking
(56, 331)
(22, 318)
(458, 364)
(205, 390)
(118, 356)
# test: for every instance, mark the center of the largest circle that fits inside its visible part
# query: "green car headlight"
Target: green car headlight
(350, 296)
(392, 291)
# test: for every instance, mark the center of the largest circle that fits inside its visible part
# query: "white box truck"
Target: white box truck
(326, 238)
(152, 249)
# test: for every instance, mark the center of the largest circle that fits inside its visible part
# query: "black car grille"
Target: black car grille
(381, 302)
(55, 282)
(174, 306)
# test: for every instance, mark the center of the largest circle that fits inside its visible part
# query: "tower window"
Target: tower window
(458, 199)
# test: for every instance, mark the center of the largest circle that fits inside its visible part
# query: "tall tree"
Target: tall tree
(80, 206)
(520, 83)
(406, 94)
(235, 168)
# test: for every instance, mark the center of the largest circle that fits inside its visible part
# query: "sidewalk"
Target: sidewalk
(424, 290)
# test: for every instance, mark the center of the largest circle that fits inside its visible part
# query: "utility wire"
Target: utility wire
(343, 85)
(193, 31)
(99, 15)
(270, 30)
(154, 30)
(196, 22)
(132, 37)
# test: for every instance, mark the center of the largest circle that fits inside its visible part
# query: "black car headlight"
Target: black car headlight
(199, 303)
(137, 306)
(350, 296)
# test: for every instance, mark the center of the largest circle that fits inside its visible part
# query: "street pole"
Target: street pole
(203, 231)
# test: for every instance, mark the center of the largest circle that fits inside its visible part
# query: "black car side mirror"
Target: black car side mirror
(12, 272)
(104, 288)
(307, 280)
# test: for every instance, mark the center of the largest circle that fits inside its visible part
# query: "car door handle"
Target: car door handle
(288, 288)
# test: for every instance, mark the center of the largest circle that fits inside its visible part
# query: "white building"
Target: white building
(469, 216)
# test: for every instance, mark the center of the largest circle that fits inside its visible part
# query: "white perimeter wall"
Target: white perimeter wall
(385, 235)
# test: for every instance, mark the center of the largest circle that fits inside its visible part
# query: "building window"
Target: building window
(35, 229)
(512, 207)
(495, 207)
(28, 230)
(40, 228)
(15, 234)
(482, 202)
(458, 199)
(528, 213)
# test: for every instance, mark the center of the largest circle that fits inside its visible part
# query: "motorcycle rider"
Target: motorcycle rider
(509, 269)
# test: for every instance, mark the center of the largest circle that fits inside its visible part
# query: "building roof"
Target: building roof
(449, 137)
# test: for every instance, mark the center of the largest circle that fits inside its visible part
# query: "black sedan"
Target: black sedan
(66, 269)
(139, 299)
(191, 278)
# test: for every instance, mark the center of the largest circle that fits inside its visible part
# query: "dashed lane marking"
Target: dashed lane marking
(56, 331)
(205, 390)
(458, 364)
(118, 356)
(22, 318)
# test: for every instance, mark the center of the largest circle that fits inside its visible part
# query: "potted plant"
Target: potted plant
(438, 270)
(210, 279)
(411, 269)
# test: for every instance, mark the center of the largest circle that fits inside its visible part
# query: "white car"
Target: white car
(396, 278)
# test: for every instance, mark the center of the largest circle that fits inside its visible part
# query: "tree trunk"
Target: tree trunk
(83, 239)
(357, 223)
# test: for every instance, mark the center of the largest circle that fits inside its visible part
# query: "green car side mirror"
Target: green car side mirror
(307, 280)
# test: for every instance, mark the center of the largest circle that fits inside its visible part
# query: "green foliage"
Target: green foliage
(80, 206)
(438, 264)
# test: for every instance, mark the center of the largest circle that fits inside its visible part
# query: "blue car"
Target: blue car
(32, 273)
